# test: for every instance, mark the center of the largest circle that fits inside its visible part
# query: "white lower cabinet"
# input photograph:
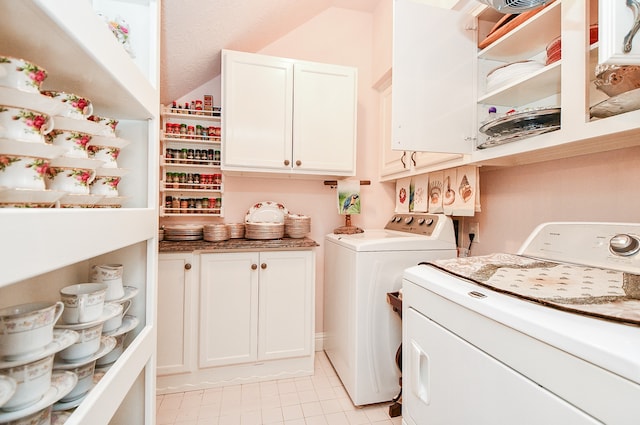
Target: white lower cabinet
(175, 306)
(254, 313)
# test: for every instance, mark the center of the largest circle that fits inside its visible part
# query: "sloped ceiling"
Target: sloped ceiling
(194, 31)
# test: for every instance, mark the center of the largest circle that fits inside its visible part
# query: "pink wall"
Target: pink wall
(599, 187)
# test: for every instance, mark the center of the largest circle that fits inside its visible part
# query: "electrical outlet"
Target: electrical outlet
(474, 227)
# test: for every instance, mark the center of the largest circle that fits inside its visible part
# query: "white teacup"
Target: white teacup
(85, 381)
(33, 379)
(27, 328)
(108, 125)
(24, 124)
(111, 275)
(20, 74)
(23, 172)
(75, 142)
(116, 321)
(105, 185)
(88, 343)
(108, 154)
(83, 302)
(71, 105)
(70, 179)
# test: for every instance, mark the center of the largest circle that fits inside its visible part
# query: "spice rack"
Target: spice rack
(191, 180)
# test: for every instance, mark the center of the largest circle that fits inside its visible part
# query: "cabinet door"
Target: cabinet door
(286, 304)
(324, 118)
(433, 78)
(228, 308)
(257, 100)
(175, 313)
(392, 161)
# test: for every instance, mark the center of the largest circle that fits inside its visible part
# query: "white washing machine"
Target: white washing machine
(362, 332)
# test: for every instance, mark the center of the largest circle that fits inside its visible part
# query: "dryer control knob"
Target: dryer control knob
(429, 221)
(408, 220)
(625, 245)
(421, 221)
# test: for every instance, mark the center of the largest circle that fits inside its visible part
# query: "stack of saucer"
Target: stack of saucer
(236, 230)
(183, 232)
(216, 232)
(263, 230)
(297, 226)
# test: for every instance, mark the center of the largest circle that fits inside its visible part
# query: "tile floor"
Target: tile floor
(312, 400)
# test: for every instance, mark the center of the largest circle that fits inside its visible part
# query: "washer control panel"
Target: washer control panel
(420, 224)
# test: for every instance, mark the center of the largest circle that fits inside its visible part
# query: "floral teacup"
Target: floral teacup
(24, 124)
(71, 105)
(20, 74)
(105, 185)
(23, 172)
(108, 125)
(108, 154)
(70, 180)
(75, 142)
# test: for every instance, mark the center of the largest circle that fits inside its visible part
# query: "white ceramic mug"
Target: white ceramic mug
(23, 172)
(75, 142)
(111, 275)
(27, 328)
(71, 105)
(24, 124)
(83, 302)
(20, 74)
(33, 379)
(70, 179)
(88, 343)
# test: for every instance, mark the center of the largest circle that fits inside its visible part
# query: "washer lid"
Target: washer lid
(390, 240)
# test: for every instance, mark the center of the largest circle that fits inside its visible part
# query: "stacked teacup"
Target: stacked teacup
(85, 313)
(117, 294)
(28, 344)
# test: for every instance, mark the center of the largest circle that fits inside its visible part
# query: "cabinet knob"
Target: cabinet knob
(286, 162)
(298, 163)
(254, 266)
(187, 266)
(263, 266)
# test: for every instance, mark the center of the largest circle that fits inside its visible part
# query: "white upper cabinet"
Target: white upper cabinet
(287, 116)
(425, 77)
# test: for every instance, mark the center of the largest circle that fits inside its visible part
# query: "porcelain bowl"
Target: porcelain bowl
(617, 79)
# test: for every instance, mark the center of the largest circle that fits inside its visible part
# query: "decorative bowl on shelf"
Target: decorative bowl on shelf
(617, 79)
(514, 126)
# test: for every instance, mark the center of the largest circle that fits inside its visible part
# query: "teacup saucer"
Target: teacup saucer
(107, 343)
(66, 405)
(79, 199)
(83, 126)
(62, 338)
(30, 196)
(62, 382)
(111, 142)
(59, 418)
(111, 201)
(34, 101)
(129, 293)
(109, 311)
(8, 387)
(128, 324)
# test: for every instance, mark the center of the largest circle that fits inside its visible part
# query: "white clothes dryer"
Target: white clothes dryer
(362, 333)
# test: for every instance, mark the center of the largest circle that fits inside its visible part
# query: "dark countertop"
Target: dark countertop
(283, 244)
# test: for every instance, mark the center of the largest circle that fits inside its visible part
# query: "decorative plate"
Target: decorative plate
(36, 150)
(517, 122)
(625, 102)
(266, 212)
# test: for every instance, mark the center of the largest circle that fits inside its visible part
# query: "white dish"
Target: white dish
(266, 212)
(34, 101)
(60, 406)
(83, 126)
(30, 196)
(36, 150)
(625, 102)
(111, 172)
(129, 293)
(62, 338)
(107, 343)
(109, 311)
(111, 142)
(8, 387)
(129, 323)
(62, 382)
(78, 199)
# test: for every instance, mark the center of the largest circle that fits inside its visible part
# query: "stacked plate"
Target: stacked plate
(236, 230)
(215, 232)
(510, 72)
(297, 226)
(183, 232)
(264, 230)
